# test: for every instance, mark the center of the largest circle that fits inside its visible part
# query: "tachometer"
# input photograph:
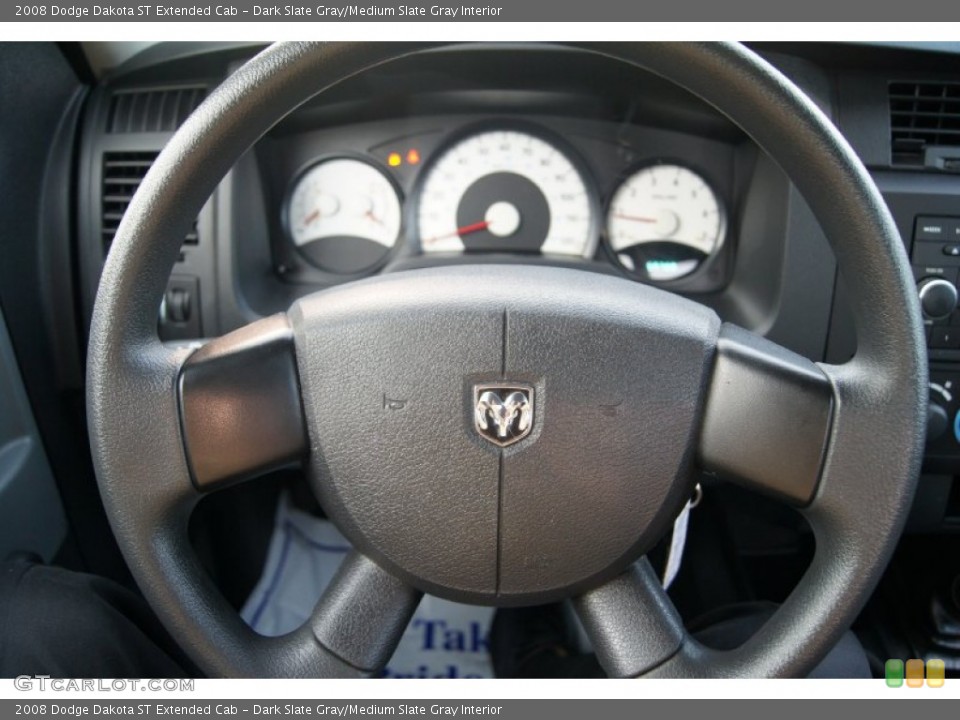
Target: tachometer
(506, 190)
(664, 221)
(343, 215)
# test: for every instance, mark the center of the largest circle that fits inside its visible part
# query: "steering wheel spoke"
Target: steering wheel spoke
(240, 408)
(363, 612)
(631, 622)
(767, 418)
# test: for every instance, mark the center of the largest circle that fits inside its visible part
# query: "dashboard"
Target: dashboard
(536, 154)
(445, 157)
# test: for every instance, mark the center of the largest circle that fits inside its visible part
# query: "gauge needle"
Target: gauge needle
(460, 232)
(311, 217)
(475, 227)
(369, 214)
(635, 218)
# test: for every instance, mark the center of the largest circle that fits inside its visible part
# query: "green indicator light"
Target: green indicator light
(893, 671)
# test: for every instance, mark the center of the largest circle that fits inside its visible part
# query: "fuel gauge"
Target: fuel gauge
(343, 215)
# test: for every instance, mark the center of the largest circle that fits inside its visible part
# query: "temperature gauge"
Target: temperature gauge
(343, 215)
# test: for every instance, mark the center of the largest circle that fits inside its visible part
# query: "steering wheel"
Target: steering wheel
(605, 399)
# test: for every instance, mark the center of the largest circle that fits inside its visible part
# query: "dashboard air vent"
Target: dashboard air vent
(923, 115)
(122, 175)
(159, 110)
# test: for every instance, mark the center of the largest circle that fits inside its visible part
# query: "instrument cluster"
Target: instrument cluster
(500, 188)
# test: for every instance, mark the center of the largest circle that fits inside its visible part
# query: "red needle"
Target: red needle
(465, 230)
(311, 217)
(476, 227)
(635, 218)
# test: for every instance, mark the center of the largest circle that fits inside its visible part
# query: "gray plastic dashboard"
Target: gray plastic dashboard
(775, 267)
(776, 275)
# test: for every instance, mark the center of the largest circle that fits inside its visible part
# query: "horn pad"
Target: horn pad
(591, 389)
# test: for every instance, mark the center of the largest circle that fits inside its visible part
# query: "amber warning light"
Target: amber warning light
(396, 159)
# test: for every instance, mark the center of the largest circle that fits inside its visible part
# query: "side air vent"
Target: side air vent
(122, 175)
(923, 115)
(144, 111)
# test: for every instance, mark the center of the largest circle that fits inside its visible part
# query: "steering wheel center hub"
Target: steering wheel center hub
(502, 434)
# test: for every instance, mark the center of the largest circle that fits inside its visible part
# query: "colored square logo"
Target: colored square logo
(914, 673)
(936, 672)
(893, 670)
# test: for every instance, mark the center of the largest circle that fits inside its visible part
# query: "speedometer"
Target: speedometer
(506, 190)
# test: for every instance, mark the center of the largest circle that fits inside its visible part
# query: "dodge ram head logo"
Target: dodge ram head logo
(503, 414)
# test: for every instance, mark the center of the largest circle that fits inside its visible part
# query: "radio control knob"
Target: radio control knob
(938, 298)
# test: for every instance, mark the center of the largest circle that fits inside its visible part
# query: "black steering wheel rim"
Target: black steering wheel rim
(868, 473)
